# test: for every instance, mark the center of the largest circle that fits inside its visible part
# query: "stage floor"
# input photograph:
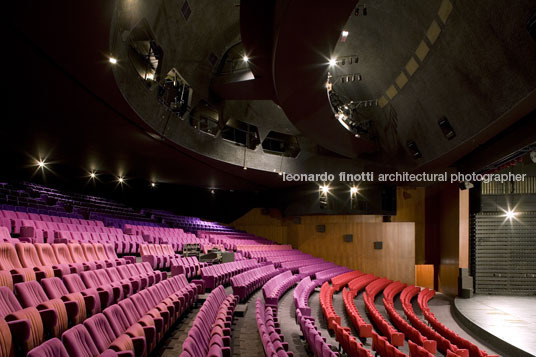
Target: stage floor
(509, 318)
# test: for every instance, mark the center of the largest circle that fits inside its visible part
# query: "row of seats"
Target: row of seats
(41, 231)
(363, 328)
(410, 332)
(249, 281)
(301, 295)
(277, 286)
(25, 261)
(158, 255)
(311, 270)
(383, 348)
(273, 341)
(328, 274)
(47, 309)
(221, 274)
(341, 280)
(15, 219)
(443, 345)
(124, 244)
(189, 266)
(395, 337)
(343, 334)
(295, 265)
(211, 330)
(317, 344)
(424, 296)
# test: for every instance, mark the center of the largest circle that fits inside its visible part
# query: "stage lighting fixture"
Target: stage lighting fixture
(354, 190)
(92, 175)
(324, 188)
(332, 62)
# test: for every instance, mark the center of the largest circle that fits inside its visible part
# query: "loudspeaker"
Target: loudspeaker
(414, 149)
(321, 228)
(446, 128)
(378, 245)
(348, 238)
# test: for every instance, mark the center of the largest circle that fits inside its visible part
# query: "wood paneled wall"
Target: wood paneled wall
(395, 261)
(410, 207)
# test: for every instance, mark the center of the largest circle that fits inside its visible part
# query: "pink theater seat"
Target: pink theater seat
(9, 261)
(29, 259)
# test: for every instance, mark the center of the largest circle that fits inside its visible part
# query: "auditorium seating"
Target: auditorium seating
(341, 280)
(277, 286)
(210, 333)
(395, 338)
(317, 344)
(424, 296)
(301, 295)
(410, 332)
(311, 270)
(354, 287)
(326, 275)
(273, 341)
(157, 255)
(221, 274)
(189, 266)
(249, 281)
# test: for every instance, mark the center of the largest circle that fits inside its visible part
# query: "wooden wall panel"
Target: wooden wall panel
(424, 275)
(395, 261)
(410, 207)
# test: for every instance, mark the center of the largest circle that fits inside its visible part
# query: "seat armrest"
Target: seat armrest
(139, 346)
(72, 308)
(20, 329)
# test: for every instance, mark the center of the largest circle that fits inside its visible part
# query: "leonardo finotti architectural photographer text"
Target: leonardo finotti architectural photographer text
(403, 177)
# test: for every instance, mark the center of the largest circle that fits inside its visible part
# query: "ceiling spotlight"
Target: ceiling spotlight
(212, 191)
(245, 167)
(332, 62)
(112, 60)
(280, 173)
(153, 184)
(120, 180)
(41, 164)
(245, 58)
(345, 33)
(324, 188)
(510, 214)
(353, 190)
(92, 175)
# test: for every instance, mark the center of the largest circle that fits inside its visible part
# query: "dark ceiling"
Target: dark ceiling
(64, 103)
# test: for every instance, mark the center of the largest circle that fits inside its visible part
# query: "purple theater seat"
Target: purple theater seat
(105, 338)
(120, 324)
(31, 294)
(91, 280)
(51, 348)
(56, 289)
(78, 342)
(74, 284)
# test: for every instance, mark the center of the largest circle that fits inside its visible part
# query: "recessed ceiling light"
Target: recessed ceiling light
(332, 62)
(41, 163)
(324, 188)
(354, 190)
(345, 33)
(112, 60)
(121, 180)
(245, 58)
(92, 175)
(153, 184)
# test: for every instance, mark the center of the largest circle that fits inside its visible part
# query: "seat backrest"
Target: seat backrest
(90, 279)
(8, 302)
(78, 342)
(30, 293)
(99, 250)
(103, 276)
(46, 254)
(50, 348)
(63, 255)
(131, 312)
(54, 288)
(77, 252)
(117, 319)
(74, 283)
(101, 331)
(4, 233)
(8, 257)
(28, 255)
(89, 251)
(6, 340)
